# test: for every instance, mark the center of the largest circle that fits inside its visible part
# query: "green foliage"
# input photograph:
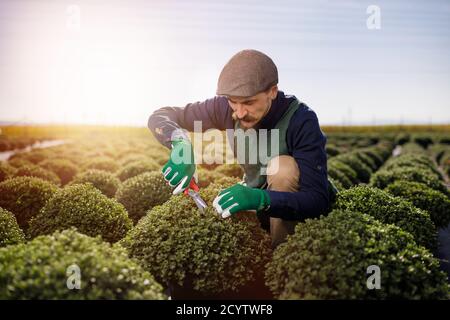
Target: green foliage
(25, 196)
(18, 162)
(104, 181)
(41, 269)
(339, 176)
(328, 258)
(135, 168)
(102, 163)
(64, 169)
(6, 171)
(10, 233)
(389, 209)
(384, 177)
(423, 197)
(351, 174)
(362, 170)
(179, 244)
(230, 170)
(86, 208)
(38, 172)
(413, 160)
(143, 192)
(332, 150)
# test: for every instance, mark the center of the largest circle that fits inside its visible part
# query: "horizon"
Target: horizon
(108, 63)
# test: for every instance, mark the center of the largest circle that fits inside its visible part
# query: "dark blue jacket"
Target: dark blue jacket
(305, 141)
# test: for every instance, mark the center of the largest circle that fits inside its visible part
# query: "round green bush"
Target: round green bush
(423, 197)
(345, 169)
(18, 162)
(375, 155)
(382, 178)
(413, 160)
(41, 269)
(339, 176)
(25, 196)
(328, 258)
(135, 168)
(102, 163)
(389, 209)
(6, 171)
(64, 169)
(38, 172)
(86, 208)
(180, 245)
(206, 177)
(10, 233)
(104, 181)
(366, 160)
(34, 156)
(362, 170)
(332, 150)
(143, 192)
(230, 170)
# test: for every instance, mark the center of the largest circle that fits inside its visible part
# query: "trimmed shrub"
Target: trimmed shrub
(206, 177)
(389, 209)
(6, 171)
(86, 208)
(38, 172)
(64, 169)
(366, 160)
(135, 168)
(40, 269)
(10, 233)
(345, 169)
(332, 150)
(328, 258)
(423, 140)
(375, 155)
(423, 197)
(362, 170)
(102, 163)
(181, 245)
(337, 175)
(413, 160)
(230, 170)
(34, 156)
(382, 178)
(143, 192)
(402, 138)
(18, 162)
(25, 196)
(104, 181)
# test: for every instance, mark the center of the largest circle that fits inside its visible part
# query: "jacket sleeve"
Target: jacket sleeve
(308, 149)
(213, 113)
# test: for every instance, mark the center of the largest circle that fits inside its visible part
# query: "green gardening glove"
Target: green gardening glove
(238, 198)
(180, 168)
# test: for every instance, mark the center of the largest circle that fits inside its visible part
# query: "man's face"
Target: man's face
(250, 110)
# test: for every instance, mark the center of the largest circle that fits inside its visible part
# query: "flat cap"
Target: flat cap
(246, 74)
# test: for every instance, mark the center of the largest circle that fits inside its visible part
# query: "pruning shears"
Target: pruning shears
(192, 190)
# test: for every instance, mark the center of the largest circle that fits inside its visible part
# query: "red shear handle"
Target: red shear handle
(193, 186)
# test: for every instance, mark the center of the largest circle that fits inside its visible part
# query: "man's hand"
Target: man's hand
(238, 198)
(180, 168)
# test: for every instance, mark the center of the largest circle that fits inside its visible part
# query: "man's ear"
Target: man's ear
(273, 92)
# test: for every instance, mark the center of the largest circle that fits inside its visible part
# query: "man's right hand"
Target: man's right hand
(180, 168)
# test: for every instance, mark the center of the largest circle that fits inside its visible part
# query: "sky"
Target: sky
(115, 62)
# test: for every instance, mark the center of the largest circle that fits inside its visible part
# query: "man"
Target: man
(295, 186)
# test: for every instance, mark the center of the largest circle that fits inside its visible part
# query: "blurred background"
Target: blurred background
(114, 62)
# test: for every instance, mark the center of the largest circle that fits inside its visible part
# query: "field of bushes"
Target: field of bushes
(98, 203)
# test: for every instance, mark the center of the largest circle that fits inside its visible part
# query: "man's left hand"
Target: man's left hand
(238, 198)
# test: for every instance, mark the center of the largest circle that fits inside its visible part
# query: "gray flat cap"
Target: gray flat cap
(248, 73)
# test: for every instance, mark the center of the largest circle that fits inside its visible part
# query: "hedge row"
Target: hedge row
(357, 166)
(182, 246)
(389, 209)
(328, 258)
(46, 268)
